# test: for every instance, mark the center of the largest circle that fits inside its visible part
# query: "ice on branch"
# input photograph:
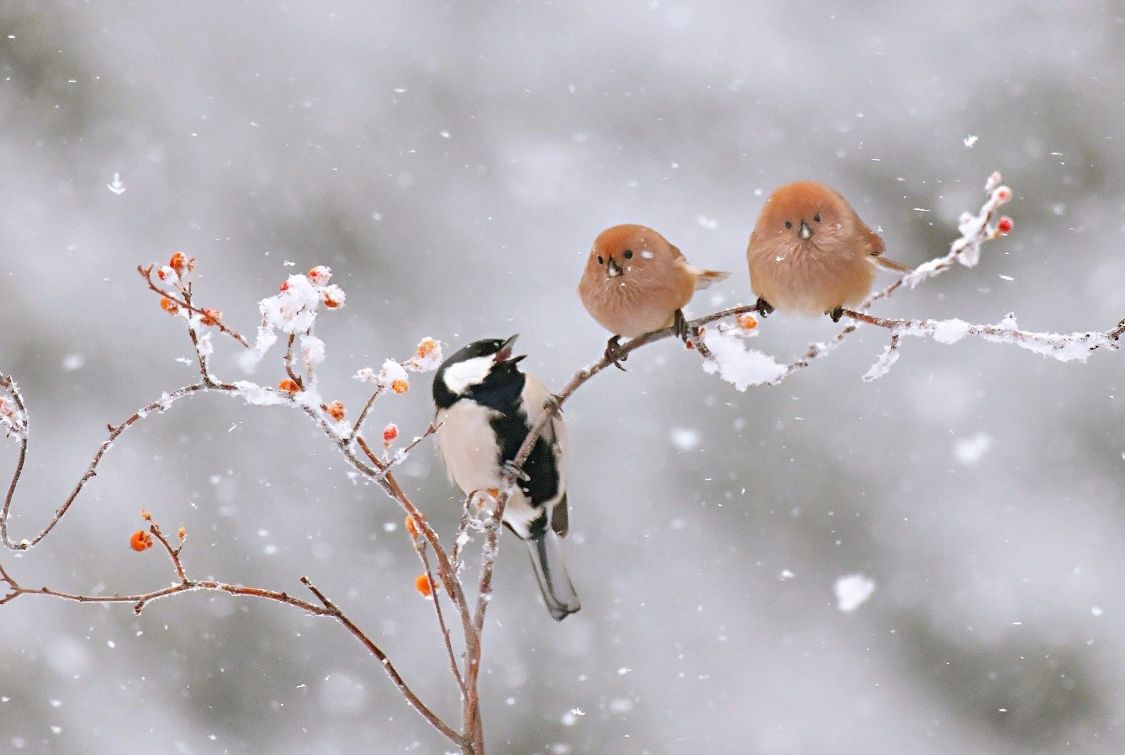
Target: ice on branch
(736, 364)
(1073, 347)
(12, 419)
(258, 395)
(884, 363)
(293, 310)
(312, 351)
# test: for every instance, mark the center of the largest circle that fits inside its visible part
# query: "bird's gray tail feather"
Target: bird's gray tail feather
(550, 573)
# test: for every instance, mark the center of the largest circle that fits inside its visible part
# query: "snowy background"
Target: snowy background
(453, 163)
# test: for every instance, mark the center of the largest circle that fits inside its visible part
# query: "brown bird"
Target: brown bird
(636, 282)
(811, 254)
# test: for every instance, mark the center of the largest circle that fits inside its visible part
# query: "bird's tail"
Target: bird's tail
(550, 573)
(704, 278)
(890, 264)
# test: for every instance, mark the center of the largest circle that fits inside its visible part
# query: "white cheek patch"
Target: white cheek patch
(460, 377)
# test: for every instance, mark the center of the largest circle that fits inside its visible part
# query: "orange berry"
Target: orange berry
(212, 316)
(330, 302)
(319, 275)
(288, 386)
(426, 347)
(146, 516)
(284, 286)
(169, 306)
(140, 541)
(336, 410)
(747, 322)
(423, 586)
(178, 262)
(400, 386)
(390, 432)
(181, 533)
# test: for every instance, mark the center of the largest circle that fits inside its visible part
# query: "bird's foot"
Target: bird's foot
(680, 327)
(765, 309)
(836, 314)
(614, 353)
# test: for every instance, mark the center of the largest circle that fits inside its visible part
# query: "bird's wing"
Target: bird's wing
(560, 518)
(704, 278)
(874, 241)
(877, 247)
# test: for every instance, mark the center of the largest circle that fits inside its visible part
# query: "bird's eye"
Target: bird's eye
(788, 224)
(816, 217)
(600, 260)
(628, 254)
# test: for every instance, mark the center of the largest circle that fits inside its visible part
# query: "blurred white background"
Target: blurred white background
(453, 162)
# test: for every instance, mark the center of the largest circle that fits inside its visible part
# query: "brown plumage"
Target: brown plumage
(636, 281)
(811, 254)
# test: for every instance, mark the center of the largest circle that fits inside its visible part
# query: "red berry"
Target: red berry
(1004, 225)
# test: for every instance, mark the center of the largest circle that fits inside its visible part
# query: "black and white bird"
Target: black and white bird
(486, 407)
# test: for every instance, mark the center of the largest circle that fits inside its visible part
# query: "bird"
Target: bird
(636, 281)
(810, 253)
(485, 407)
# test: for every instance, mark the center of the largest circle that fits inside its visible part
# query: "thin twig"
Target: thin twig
(392, 672)
(366, 408)
(146, 273)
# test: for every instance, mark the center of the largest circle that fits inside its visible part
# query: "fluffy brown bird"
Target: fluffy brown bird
(636, 282)
(811, 254)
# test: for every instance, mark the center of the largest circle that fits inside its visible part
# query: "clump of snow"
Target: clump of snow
(951, 331)
(970, 450)
(852, 591)
(427, 357)
(883, 364)
(737, 365)
(259, 395)
(312, 350)
(293, 309)
(390, 373)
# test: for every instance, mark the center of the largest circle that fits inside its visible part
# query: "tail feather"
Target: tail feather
(550, 573)
(890, 264)
(704, 278)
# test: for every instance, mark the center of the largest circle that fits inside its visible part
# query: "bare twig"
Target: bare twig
(415, 702)
(146, 273)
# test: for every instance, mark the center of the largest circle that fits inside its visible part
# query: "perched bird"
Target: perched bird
(810, 253)
(636, 282)
(486, 407)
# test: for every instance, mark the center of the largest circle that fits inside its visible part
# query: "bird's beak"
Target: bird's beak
(806, 232)
(612, 270)
(504, 355)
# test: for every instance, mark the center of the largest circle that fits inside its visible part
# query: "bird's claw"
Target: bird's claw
(765, 309)
(836, 314)
(680, 327)
(614, 353)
